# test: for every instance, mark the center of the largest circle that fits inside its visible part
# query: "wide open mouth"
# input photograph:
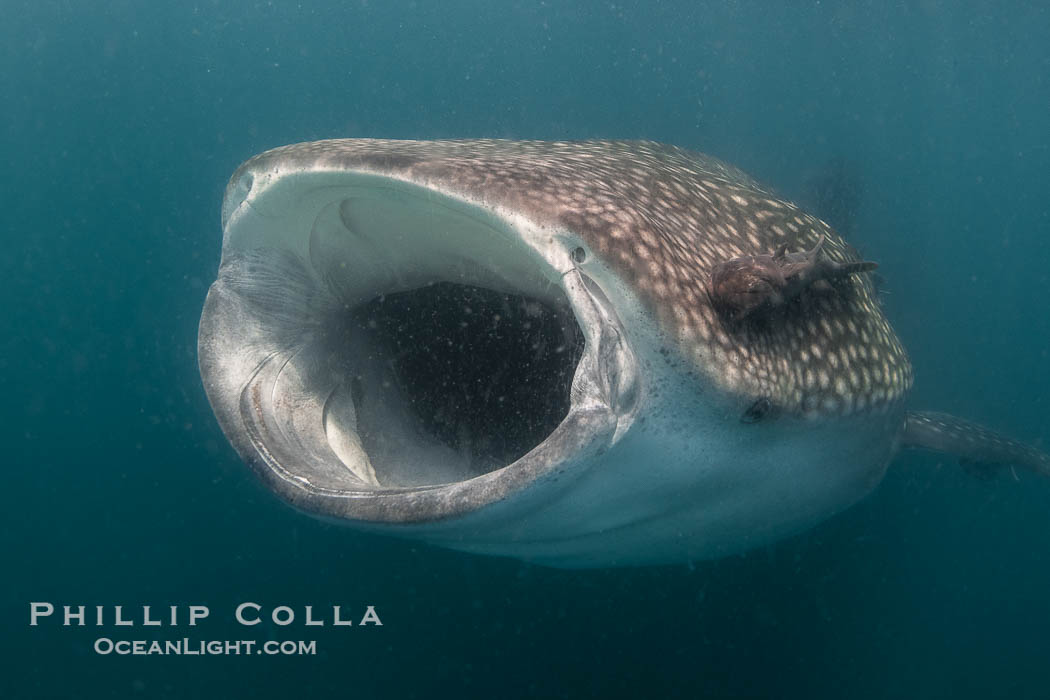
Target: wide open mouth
(453, 380)
(391, 354)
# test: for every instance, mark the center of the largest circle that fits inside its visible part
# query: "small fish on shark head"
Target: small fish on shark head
(746, 284)
(581, 354)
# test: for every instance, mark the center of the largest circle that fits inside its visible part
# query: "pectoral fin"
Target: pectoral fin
(973, 444)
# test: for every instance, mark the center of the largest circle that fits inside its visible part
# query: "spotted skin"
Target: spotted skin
(662, 217)
(972, 443)
(759, 283)
(651, 464)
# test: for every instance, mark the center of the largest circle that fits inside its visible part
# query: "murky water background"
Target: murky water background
(122, 122)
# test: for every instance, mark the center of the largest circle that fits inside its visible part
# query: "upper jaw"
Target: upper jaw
(315, 398)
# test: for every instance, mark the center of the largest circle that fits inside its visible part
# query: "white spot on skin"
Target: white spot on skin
(825, 379)
(667, 216)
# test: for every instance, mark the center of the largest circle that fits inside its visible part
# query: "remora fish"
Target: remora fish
(581, 354)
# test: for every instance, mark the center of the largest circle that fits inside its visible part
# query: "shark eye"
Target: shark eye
(579, 255)
(757, 411)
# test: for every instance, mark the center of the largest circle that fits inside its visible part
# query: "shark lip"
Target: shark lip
(385, 353)
(351, 352)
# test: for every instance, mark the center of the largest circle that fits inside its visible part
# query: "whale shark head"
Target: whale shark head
(580, 354)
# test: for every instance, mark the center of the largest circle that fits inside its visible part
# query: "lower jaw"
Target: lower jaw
(409, 378)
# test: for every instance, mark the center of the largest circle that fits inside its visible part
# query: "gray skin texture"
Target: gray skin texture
(740, 381)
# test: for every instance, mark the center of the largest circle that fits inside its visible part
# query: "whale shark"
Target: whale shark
(579, 354)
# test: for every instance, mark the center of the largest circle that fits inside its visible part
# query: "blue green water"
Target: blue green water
(122, 122)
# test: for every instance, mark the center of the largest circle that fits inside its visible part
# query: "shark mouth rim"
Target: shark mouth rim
(291, 362)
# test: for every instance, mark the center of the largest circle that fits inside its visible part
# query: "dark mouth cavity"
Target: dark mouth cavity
(487, 374)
